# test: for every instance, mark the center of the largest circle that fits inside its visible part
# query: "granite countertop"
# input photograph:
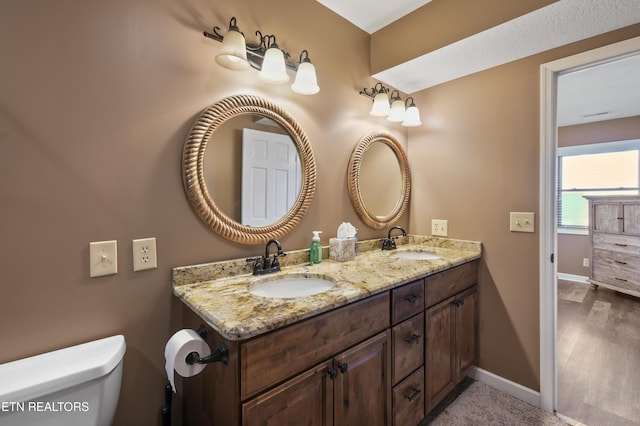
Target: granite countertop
(218, 292)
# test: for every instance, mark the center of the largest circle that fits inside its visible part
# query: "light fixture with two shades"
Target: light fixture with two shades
(265, 56)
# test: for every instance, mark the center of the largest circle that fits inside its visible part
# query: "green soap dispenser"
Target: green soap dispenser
(315, 252)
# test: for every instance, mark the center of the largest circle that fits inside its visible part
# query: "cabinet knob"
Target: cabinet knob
(344, 367)
(333, 373)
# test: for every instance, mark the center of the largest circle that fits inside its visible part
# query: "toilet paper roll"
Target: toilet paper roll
(181, 344)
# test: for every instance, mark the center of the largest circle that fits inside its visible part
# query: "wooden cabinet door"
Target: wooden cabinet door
(466, 332)
(307, 399)
(631, 219)
(440, 375)
(362, 388)
(606, 217)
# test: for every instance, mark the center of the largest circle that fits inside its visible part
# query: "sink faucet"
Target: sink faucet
(389, 243)
(262, 264)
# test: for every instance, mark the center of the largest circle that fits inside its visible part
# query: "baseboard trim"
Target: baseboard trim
(571, 277)
(507, 386)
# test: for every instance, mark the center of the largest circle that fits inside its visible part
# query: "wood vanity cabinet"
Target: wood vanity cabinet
(360, 364)
(451, 330)
(614, 243)
(268, 359)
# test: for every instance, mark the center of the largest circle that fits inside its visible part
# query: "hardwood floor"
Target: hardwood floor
(598, 355)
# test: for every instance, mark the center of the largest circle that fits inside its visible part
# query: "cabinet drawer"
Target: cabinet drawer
(408, 400)
(408, 346)
(407, 300)
(620, 243)
(268, 359)
(445, 284)
(616, 269)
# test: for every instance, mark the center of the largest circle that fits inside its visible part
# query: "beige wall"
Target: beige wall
(572, 249)
(475, 160)
(96, 99)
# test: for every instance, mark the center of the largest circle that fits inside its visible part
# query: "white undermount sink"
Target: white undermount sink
(416, 255)
(291, 286)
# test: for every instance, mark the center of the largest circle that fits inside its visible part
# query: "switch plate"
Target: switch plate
(103, 258)
(439, 227)
(585, 262)
(521, 222)
(144, 254)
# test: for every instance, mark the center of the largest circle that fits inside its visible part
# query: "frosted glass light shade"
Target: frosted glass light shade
(273, 69)
(412, 117)
(306, 82)
(233, 54)
(380, 107)
(397, 113)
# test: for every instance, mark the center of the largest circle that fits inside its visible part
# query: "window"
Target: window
(611, 168)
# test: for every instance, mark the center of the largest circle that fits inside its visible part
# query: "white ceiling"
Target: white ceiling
(583, 95)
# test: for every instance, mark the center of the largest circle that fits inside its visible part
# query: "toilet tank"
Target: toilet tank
(78, 385)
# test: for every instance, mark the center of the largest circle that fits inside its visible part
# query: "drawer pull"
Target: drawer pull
(620, 244)
(414, 395)
(620, 262)
(413, 298)
(413, 339)
(458, 302)
(620, 279)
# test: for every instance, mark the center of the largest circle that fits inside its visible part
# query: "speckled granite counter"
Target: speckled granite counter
(217, 292)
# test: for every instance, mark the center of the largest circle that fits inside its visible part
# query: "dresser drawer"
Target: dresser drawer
(408, 346)
(619, 243)
(407, 300)
(617, 269)
(408, 400)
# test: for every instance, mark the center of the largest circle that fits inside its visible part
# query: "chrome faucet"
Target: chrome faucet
(389, 243)
(262, 264)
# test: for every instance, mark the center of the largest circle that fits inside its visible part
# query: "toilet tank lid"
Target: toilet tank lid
(30, 378)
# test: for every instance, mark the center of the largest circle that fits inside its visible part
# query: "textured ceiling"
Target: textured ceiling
(612, 88)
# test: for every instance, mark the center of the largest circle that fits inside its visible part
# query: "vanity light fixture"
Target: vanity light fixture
(395, 110)
(264, 56)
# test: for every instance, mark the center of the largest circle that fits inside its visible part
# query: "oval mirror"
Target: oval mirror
(248, 169)
(379, 180)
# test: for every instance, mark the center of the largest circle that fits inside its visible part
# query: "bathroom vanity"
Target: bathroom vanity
(382, 346)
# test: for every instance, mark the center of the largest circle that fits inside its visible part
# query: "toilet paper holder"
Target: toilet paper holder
(221, 354)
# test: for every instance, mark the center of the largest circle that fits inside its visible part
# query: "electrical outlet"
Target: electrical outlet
(103, 258)
(439, 227)
(585, 262)
(144, 254)
(521, 222)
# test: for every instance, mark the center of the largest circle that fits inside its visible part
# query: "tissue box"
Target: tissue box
(342, 250)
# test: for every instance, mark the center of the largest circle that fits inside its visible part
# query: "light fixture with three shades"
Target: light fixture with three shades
(265, 56)
(394, 108)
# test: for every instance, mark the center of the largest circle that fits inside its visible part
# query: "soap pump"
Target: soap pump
(315, 252)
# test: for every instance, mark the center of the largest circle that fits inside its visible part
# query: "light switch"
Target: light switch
(521, 222)
(103, 258)
(439, 227)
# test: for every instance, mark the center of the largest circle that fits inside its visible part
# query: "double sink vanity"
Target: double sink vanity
(379, 339)
(384, 338)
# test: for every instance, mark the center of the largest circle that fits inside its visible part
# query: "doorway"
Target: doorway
(548, 204)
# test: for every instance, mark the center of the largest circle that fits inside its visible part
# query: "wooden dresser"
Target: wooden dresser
(614, 243)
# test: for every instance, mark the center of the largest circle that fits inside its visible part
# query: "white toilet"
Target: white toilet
(79, 385)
